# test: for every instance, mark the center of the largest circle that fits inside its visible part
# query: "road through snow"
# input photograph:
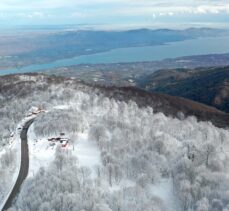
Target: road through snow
(24, 167)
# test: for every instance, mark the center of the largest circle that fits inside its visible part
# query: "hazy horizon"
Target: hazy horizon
(102, 27)
(115, 14)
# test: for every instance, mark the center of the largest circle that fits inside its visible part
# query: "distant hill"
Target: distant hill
(205, 85)
(20, 50)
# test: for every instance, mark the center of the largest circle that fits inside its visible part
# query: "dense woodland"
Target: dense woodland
(192, 84)
(137, 146)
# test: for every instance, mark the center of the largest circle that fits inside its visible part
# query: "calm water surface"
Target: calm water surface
(137, 54)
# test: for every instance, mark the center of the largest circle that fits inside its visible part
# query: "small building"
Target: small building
(62, 141)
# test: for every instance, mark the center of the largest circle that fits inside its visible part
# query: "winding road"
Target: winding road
(24, 168)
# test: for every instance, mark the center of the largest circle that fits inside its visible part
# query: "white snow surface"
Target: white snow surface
(165, 191)
(41, 154)
(86, 151)
(88, 155)
(61, 107)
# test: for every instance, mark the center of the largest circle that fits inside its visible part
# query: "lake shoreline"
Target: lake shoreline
(171, 50)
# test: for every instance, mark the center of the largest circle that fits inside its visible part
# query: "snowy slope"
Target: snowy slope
(86, 151)
(42, 154)
(165, 191)
(12, 171)
(140, 159)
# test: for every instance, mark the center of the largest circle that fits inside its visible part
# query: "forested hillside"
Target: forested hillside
(153, 153)
(206, 85)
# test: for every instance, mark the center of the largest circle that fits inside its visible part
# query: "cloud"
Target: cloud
(111, 11)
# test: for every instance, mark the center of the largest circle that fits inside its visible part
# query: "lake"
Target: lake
(217, 45)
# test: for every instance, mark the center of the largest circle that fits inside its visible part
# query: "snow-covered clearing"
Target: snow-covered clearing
(61, 107)
(86, 151)
(42, 152)
(165, 191)
(125, 183)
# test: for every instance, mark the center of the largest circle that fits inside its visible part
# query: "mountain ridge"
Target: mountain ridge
(205, 85)
(169, 105)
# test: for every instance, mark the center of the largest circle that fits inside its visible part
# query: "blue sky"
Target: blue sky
(116, 13)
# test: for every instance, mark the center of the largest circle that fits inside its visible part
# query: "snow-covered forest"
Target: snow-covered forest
(148, 161)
